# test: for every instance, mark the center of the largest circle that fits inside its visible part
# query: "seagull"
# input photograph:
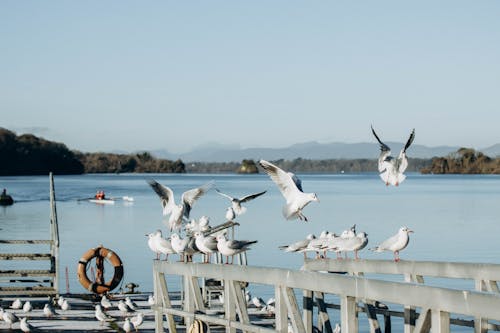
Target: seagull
(230, 214)
(200, 225)
(25, 326)
(258, 302)
(206, 244)
(60, 301)
(152, 244)
(229, 248)
(101, 316)
(137, 320)
(395, 243)
(105, 302)
(164, 246)
(391, 169)
(9, 317)
(298, 246)
(178, 211)
(236, 202)
(124, 308)
(65, 305)
(182, 246)
(131, 304)
(27, 307)
(17, 304)
(127, 326)
(348, 244)
(291, 188)
(49, 311)
(151, 300)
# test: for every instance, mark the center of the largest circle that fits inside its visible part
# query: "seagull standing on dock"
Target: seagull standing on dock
(27, 307)
(229, 248)
(391, 169)
(178, 211)
(17, 304)
(291, 188)
(101, 316)
(25, 326)
(137, 320)
(8, 317)
(49, 311)
(124, 308)
(236, 202)
(127, 326)
(105, 302)
(395, 243)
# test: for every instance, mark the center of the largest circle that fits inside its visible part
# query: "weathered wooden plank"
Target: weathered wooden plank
(456, 270)
(423, 323)
(25, 256)
(348, 314)
(240, 302)
(293, 310)
(27, 272)
(440, 321)
(23, 241)
(307, 305)
(324, 324)
(229, 306)
(372, 317)
(281, 311)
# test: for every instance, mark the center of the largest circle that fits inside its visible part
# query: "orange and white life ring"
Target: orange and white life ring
(99, 286)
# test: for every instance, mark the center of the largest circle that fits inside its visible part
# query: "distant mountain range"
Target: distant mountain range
(309, 150)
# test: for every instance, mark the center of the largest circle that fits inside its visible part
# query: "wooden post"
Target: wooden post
(54, 233)
(162, 299)
(440, 321)
(293, 309)
(281, 312)
(348, 315)
(307, 305)
(480, 324)
(229, 306)
(324, 324)
(409, 311)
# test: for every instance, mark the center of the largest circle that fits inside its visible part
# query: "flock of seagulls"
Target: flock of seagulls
(189, 237)
(130, 312)
(347, 241)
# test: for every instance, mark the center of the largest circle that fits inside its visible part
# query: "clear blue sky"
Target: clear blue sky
(133, 75)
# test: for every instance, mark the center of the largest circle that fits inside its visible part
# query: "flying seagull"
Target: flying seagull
(178, 211)
(391, 169)
(395, 243)
(236, 202)
(291, 188)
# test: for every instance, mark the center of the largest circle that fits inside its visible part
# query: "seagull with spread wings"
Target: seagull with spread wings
(291, 188)
(178, 211)
(391, 169)
(236, 202)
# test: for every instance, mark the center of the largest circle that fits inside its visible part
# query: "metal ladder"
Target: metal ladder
(33, 282)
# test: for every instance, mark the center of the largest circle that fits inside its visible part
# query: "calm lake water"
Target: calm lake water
(455, 217)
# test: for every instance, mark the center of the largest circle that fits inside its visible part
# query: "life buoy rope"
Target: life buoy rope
(99, 286)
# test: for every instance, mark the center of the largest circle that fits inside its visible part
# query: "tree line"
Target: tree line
(30, 155)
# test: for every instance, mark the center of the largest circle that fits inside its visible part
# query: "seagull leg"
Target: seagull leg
(396, 256)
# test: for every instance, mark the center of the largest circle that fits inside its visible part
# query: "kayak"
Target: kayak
(103, 201)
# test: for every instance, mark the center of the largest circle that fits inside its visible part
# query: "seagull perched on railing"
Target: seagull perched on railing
(178, 211)
(291, 188)
(229, 248)
(395, 243)
(236, 202)
(206, 244)
(391, 169)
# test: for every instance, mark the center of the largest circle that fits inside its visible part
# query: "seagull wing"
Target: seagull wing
(410, 140)
(224, 194)
(284, 180)
(388, 243)
(385, 151)
(189, 197)
(251, 196)
(166, 196)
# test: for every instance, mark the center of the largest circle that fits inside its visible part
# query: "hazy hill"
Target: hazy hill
(308, 150)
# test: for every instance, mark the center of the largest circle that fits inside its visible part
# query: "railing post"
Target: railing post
(229, 306)
(348, 315)
(480, 324)
(440, 321)
(307, 305)
(281, 313)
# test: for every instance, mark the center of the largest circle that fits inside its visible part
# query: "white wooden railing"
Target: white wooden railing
(436, 303)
